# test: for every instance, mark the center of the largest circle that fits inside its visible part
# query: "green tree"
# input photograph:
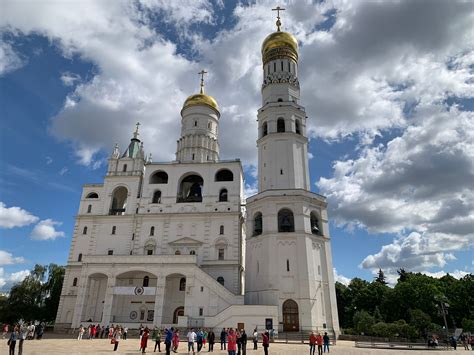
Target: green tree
(420, 321)
(381, 278)
(363, 322)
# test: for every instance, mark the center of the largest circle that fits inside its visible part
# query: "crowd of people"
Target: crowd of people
(319, 341)
(21, 332)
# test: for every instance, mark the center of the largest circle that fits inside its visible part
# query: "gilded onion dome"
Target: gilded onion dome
(201, 99)
(279, 45)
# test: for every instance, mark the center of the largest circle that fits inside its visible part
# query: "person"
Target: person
(111, 332)
(125, 332)
(239, 342)
(223, 339)
(472, 341)
(4, 330)
(31, 331)
(97, 331)
(265, 342)
(81, 332)
(325, 342)
(168, 340)
(231, 342)
(191, 337)
(144, 340)
(199, 339)
(243, 340)
(211, 338)
(40, 331)
(465, 341)
(156, 336)
(116, 335)
(255, 339)
(312, 343)
(319, 341)
(22, 332)
(453, 342)
(142, 328)
(12, 341)
(175, 340)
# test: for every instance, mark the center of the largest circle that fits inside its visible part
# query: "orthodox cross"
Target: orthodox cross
(202, 72)
(135, 134)
(278, 22)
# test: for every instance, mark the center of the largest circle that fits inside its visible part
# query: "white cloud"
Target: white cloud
(49, 160)
(9, 59)
(69, 79)
(11, 217)
(341, 278)
(45, 230)
(7, 258)
(8, 280)
(63, 171)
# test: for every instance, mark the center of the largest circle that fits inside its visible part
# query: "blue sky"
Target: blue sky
(387, 87)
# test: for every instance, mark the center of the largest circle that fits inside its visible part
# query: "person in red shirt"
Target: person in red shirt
(319, 341)
(312, 343)
(231, 342)
(265, 342)
(144, 340)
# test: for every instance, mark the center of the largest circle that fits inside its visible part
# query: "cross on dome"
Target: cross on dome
(202, 72)
(135, 134)
(278, 22)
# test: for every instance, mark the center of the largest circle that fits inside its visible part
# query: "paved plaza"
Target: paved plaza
(65, 346)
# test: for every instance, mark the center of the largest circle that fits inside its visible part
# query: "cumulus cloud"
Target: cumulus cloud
(341, 278)
(46, 230)
(8, 280)
(7, 258)
(11, 217)
(69, 79)
(9, 59)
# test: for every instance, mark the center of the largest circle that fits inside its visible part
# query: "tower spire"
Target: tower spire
(135, 134)
(202, 72)
(278, 22)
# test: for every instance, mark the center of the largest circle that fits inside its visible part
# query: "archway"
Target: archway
(291, 322)
(119, 201)
(174, 298)
(95, 297)
(177, 312)
(190, 189)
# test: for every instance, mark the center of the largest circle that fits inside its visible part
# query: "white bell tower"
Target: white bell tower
(288, 250)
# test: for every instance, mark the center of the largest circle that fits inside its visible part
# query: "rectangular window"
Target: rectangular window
(149, 252)
(201, 311)
(110, 252)
(281, 65)
(202, 289)
(287, 265)
(221, 254)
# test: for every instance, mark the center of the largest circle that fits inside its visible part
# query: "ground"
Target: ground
(68, 346)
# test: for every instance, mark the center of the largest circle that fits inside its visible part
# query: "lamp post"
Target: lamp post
(443, 310)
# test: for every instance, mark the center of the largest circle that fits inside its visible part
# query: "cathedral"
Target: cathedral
(176, 244)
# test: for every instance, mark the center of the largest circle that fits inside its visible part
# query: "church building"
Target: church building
(176, 244)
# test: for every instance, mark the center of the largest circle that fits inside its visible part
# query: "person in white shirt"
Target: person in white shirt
(81, 332)
(255, 339)
(191, 339)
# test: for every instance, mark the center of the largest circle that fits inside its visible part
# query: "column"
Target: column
(108, 302)
(159, 300)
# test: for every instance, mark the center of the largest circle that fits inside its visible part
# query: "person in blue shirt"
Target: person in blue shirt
(168, 340)
(12, 340)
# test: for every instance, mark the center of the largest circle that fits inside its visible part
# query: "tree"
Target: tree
(402, 275)
(381, 278)
(363, 322)
(420, 321)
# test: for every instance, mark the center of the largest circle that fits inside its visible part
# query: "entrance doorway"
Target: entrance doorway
(291, 322)
(177, 312)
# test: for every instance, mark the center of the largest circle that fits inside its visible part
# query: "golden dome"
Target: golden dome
(201, 100)
(279, 45)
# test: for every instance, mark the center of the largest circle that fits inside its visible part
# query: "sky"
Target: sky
(388, 87)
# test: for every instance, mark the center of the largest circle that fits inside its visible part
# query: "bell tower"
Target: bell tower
(288, 250)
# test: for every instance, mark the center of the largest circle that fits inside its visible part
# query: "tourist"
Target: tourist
(31, 331)
(168, 340)
(239, 342)
(125, 332)
(111, 332)
(191, 338)
(199, 339)
(22, 332)
(144, 339)
(93, 331)
(116, 335)
(325, 342)
(453, 342)
(243, 340)
(255, 339)
(4, 330)
(312, 343)
(319, 341)
(211, 337)
(231, 342)
(472, 342)
(204, 338)
(156, 337)
(175, 341)
(142, 328)
(40, 331)
(265, 342)
(465, 341)
(12, 341)
(223, 339)
(81, 332)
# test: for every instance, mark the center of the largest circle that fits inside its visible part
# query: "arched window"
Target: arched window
(114, 229)
(297, 127)
(221, 230)
(124, 169)
(84, 230)
(182, 284)
(119, 201)
(160, 177)
(192, 252)
(156, 197)
(152, 231)
(264, 129)
(74, 282)
(224, 175)
(92, 195)
(223, 195)
(177, 252)
(190, 189)
(220, 279)
(280, 125)
(286, 221)
(79, 257)
(89, 209)
(280, 99)
(315, 228)
(146, 281)
(257, 224)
